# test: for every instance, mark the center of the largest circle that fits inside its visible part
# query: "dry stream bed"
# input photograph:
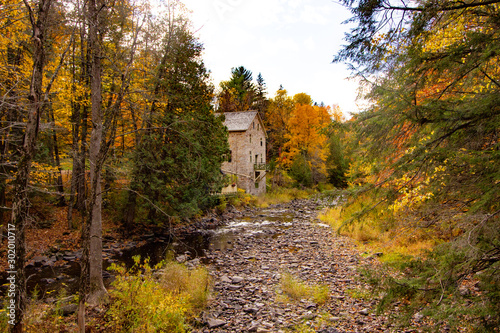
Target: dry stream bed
(250, 257)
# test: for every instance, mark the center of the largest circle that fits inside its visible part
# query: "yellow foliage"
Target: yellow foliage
(306, 135)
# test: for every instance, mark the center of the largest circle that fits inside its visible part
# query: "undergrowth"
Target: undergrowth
(435, 274)
(163, 299)
(295, 289)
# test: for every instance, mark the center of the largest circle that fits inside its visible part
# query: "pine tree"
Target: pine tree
(432, 141)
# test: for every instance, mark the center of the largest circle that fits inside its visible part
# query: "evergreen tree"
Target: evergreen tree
(178, 158)
(432, 141)
(238, 93)
(261, 102)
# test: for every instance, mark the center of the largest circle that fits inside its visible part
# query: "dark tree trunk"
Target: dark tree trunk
(20, 203)
(57, 161)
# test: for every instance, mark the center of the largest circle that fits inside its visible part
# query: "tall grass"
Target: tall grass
(160, 300)
(295, 289)
(283, 195)
(377, 230)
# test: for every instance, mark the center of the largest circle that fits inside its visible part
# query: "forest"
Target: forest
(109, 121)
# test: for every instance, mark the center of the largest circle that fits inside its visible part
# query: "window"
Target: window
(253, 125)
(256, 179)
(230, 157)
(261, 159)
(261, 142)
(250, 138)
(256, 158)
(250, 156)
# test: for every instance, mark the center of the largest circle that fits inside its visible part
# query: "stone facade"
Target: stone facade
(246, 164)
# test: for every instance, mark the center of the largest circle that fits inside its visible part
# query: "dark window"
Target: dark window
(261, 142)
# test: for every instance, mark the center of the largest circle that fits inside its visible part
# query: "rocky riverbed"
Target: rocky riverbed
(287, 239)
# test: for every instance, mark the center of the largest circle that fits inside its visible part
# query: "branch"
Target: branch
(492, 79)
(457, 7)
(30, 13)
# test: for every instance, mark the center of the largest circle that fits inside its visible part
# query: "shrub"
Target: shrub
(159, 300)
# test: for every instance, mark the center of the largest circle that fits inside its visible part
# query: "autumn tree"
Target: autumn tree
(39, 21)
(307, 140)
(104, 114)
(431, 138)
(278, 115)
(15, 81)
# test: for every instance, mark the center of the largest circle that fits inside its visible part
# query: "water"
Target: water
(52, 281)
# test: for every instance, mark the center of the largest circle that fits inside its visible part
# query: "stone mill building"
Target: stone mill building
(246, 164)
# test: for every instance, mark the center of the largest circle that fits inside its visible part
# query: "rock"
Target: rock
(237, 279)
(214, 323)
(310, 306)
(250, 309)
(364, 312)
(181, 259)
(418, 317)
(329, 330)
(225, 279)
(69, 309)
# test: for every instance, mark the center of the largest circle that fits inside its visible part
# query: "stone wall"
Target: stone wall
(247, 148)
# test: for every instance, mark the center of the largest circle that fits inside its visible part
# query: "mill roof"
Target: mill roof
(239, 121)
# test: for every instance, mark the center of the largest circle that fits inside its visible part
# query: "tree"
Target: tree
(180, 150)
(104, 125)
(307, 137)
(261, 102)
(39, 20)
(277, 121)
(433, 134)
(337, 164)
(238, 93)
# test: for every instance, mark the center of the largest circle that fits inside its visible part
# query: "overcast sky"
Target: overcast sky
(290, 42)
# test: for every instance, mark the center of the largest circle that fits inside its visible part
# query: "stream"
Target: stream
(46, 280)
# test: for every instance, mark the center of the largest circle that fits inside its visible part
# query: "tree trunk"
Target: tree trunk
(57, 161)
(81, 180)
(92, 288)
(20, 204)
(96, 285)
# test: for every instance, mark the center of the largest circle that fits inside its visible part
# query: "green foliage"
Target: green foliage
(177, 162)
(153, 300)
(430, 140)
(301, 172)
(336, 163)
(239, 93)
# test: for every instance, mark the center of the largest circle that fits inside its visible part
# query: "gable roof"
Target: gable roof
(239, 121)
